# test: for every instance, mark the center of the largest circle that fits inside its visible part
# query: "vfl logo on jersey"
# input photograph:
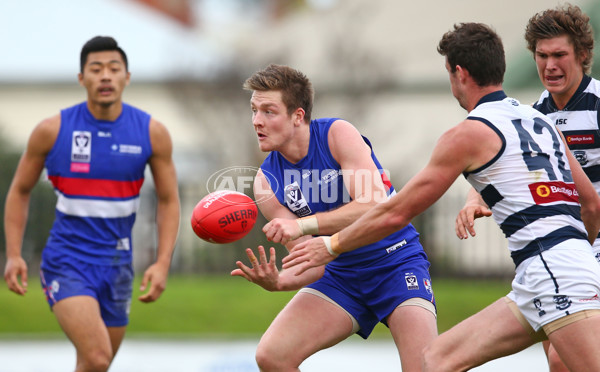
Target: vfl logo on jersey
(295, 200)
(81, 151)
(411, 281)
(538, 305)
(549, 192)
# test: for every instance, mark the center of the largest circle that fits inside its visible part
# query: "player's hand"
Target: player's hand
(282, 230)
(16, 268)
(156, 276)
(465, 220)
(262, 272)
(311, 253)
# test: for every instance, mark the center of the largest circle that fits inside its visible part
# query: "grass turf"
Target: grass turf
(222, 306)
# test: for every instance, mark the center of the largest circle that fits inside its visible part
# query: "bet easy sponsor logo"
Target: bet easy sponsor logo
(549, 192)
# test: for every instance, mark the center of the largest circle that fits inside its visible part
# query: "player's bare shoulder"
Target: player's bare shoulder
(44, 135)
(160, 138)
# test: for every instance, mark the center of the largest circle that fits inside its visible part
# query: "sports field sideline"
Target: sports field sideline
(352, 355)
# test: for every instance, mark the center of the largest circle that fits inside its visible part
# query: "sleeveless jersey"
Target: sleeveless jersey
(579, 121)
(528, 185)
(97, 169)
(315, 184)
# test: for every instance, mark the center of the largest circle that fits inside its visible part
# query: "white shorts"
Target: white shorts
(558, 282)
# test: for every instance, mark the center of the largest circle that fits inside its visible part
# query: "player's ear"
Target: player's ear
(461, 73)
(298, 116)
(80, 78)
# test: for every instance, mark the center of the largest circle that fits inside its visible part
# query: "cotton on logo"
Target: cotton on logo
(240, 179)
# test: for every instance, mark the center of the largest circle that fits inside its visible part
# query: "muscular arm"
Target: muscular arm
(16, 207)
(167, 210)
(361, 178)
(463, 148)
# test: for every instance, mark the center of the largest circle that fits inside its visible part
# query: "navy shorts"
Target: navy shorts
(371, 293)
(112, 286)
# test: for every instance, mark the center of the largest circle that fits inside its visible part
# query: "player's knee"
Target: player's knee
(434, 361)
(272, 359)
(555, 363)
(96, 361)
(268, 361)
(428, 359)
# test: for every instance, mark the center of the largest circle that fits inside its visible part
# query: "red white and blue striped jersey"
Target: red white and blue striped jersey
(97, 170)
(528, 185)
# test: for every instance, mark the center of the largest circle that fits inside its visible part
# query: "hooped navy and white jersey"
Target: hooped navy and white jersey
(579, 121)
(528, 185)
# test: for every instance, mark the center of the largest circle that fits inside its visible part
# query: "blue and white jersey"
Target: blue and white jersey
(578, 121)
(97, 170)
(315, 184)
(528, 185)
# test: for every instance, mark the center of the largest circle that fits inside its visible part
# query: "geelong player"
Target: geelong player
(562, 43)
(520, 165)
(95, 154)
(319, 176)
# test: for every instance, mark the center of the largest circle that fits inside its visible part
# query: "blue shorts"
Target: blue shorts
(112, 286)
(372, 292)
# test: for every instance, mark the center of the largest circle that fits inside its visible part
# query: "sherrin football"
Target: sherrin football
(224, 216)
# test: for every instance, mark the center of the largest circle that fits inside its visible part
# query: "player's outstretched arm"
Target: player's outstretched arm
(474, 208)
(17, 200)
(167, 211)
(462, 148)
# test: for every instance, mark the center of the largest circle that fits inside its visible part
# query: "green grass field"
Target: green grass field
(222, 306)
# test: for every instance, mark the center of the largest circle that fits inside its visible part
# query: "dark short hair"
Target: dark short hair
(563, 20)
(100, 44)
(476, 48)
(296, 89)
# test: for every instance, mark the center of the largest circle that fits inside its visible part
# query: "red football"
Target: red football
(224, 216)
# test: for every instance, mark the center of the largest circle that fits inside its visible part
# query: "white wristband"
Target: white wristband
(327, 241)
(308, 225)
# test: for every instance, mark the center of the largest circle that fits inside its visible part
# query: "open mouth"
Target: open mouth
(554, 79)
(106, 90)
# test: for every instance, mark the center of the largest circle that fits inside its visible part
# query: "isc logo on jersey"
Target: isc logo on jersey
(550, 192)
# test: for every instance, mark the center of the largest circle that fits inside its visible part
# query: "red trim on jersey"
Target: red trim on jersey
(386, 181)
(94, 187)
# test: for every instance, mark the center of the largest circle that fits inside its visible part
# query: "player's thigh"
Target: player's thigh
(307, 324)
(489, 334)
(577, 343)
(116, 335)
(413, 328)
(79, 317)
